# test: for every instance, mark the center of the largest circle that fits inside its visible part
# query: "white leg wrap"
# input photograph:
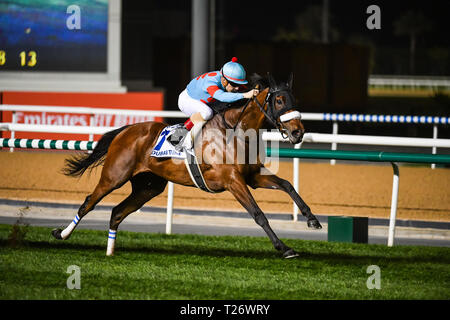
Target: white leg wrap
(68, 231)
(111, 242)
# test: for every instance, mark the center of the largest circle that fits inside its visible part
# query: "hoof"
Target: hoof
(57, 234)
(314, 224)
(290, 254)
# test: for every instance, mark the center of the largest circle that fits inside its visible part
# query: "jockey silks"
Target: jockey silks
(208, 87)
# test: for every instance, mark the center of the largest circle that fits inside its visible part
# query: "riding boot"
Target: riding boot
(195, 125)
(193, 135)
(188, 124)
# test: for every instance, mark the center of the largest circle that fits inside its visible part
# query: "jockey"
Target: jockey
(220, 85)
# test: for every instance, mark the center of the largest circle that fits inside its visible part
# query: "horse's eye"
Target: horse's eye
(279, 101)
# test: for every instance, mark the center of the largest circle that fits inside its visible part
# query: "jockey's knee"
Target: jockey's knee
(207, 114)
(197, 117)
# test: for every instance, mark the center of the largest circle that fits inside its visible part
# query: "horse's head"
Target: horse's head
(281, 110)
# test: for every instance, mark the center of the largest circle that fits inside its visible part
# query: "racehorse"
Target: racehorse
(125, 155)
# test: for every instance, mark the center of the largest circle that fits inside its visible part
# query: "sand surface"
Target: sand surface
(360, 189)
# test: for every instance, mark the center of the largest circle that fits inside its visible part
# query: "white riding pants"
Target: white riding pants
(189, 106)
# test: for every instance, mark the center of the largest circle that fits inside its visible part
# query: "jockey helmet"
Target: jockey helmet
(234, 72)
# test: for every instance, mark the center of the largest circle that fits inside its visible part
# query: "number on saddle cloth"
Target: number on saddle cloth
(163, 134)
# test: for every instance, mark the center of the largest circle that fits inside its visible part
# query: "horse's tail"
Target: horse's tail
(78, 164)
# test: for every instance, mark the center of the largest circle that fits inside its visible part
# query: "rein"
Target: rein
(261, 107)
(270, 114)
(238, 120)
(273, 115)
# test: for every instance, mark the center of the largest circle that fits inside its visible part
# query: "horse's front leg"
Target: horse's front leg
(239, 189)
(274, 182)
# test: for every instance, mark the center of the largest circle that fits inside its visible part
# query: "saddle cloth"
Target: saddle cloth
(165, 149)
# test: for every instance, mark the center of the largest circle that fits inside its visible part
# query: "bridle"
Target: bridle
(276, 117)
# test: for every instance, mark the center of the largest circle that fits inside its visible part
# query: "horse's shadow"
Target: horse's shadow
(172, 250)
(214, 252)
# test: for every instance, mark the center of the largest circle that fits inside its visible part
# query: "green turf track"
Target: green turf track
(157, 266)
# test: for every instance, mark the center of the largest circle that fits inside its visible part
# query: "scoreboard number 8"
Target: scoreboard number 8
(2, 57)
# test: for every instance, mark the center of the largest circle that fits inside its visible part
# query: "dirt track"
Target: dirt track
(358, 190)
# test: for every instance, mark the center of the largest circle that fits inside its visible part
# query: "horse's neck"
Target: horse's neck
(250, 118)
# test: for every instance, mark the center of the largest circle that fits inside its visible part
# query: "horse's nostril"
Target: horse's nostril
(296, 133)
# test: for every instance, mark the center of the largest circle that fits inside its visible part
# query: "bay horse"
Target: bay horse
(125, 155)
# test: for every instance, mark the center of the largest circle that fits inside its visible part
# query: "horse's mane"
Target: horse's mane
(256, 79)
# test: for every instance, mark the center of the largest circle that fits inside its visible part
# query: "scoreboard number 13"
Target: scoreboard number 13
(32, 58)
(28, 59)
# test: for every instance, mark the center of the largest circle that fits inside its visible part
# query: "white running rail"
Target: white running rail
(333, 138)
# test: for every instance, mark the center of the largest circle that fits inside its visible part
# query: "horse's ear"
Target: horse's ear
(272, 82)
(290, 80)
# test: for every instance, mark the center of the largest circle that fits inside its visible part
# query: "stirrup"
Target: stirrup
(183, 143)
(187, 142)
(177, 136)
(179, 146)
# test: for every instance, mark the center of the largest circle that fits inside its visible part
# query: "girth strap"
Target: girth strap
(195, 172)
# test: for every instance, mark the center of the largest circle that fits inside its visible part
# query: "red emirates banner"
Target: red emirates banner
(122, 101)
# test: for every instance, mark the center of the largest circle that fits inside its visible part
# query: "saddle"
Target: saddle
(170, 145)
(168, 139)
(177, 136)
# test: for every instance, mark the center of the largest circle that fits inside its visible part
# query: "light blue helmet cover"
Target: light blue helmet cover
(234, 72)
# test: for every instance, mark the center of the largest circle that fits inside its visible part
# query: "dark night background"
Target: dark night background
(261, 20)
(266, 36)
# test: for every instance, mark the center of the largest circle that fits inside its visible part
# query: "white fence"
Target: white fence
(409, 81)
(335, 118)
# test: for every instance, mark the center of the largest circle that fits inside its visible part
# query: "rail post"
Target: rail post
(169, 208)
(334, 144)
(394, 200)
(13, 135)
(435, 135)
(296, 172)
(91, 124)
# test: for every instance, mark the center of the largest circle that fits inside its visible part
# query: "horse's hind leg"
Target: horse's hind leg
(109, 181)
(88, 205)
(145, 186)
